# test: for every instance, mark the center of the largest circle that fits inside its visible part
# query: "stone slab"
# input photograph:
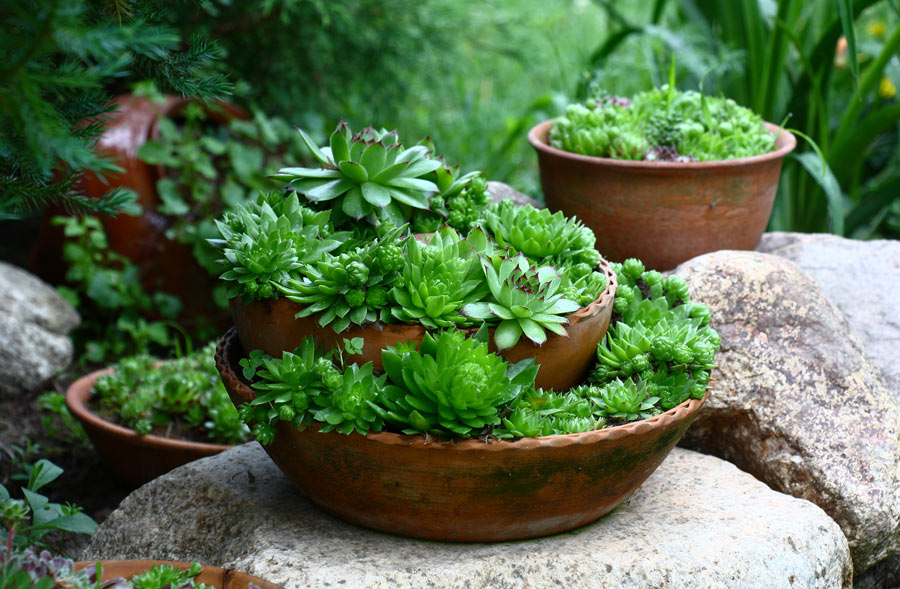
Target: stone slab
(697, 522)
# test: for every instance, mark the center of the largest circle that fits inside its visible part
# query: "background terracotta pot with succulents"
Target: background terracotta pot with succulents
(663, 177)
(147, 417)
(532, 275)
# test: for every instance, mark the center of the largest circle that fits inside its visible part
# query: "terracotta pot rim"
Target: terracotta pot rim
(686, 410)
(581, 314)
(136, 566)
(785, 142)
(76, 400)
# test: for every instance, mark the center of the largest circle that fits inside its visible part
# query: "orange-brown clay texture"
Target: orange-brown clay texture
(270, 326)
(216, 577)
(471, 490)
(663, 212)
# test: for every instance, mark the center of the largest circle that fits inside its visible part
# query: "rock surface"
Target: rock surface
(863, 279)
(723, 529)
(500, 191)
(34, 323)
(796, 402)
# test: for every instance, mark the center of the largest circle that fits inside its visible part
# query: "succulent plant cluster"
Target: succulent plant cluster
(186, 392)
(660, 346)
(662, 124)
(371, 176)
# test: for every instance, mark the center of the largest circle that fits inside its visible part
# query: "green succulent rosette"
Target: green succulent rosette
(450, 385)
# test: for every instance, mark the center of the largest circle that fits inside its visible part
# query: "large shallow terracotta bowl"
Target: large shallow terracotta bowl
(468, 491)
(270, 326)
(663, 212)
(216, 577)
(133, 459)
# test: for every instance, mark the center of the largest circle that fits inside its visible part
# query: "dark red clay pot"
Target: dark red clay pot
(165, 265)
(216, 577)
(663, 212)
(270, 326)
(134, 459)
(472, 490)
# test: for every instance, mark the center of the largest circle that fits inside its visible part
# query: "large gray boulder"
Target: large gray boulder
(796, 402)
(34, 326)
(696, 522)
(863, 279)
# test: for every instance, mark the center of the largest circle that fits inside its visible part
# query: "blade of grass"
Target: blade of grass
(873, 202)
(845, 9)
(814, 163)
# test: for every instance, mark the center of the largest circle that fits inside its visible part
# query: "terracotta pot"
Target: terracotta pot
(165, 265)
(472, 490)
(270, 326)
(663, 212)
(218, 578)
(134, 459)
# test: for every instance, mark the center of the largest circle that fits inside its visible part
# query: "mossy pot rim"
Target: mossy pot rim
(238, 387)
(785, 143)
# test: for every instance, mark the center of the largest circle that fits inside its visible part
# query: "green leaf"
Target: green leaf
(340, 149)
(313, 148)
(414, 184)
(478, 310)
(412, 199)
(376, 194)
(354, 205)
(533, 330)
(507, 334)
(329, 190)
(155, 153)
(354, 171)
(373, 159)
(291, 173)
(172, 201)
(845, 9)
(43, 473)
(821, 173)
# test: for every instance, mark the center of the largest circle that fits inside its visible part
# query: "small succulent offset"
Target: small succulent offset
(524, 299)
(266, 243)
(437, 280)
(628, 401)
(452, 385)
(545, 413)
(368, 175)
(351, 287)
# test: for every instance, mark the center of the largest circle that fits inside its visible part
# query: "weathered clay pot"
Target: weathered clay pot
(270, 326)
(165, 265)
(663, 212)
(216, 577)
(134, 459)
(472, 490)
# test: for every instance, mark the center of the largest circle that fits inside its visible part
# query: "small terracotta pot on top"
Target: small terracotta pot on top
(470, 490)
(134, 459)
(216, 577)
(663, 212)
(270, 326)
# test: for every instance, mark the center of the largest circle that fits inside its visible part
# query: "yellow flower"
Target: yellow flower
(876, 29)
(887, 89)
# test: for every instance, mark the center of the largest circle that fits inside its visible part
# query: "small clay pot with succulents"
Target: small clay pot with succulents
(146, 417)
(333, 258)
(663, 176)
(439, 427)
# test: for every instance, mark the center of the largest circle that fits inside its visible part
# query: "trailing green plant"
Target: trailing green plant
(451, 385)
(524, 299)
(186, 393)
(660, 344)
(267, 241)
(437, 280)
(211, 167)
(662, 124)
(106, 289)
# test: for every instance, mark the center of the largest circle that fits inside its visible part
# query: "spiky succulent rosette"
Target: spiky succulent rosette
(348, 408)
(351, 287)
(268, 241)
(451, 385)
(436, 280)
(540, 234)
(628, 400)
(367, 175)
(546, 413)
(524, 299)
